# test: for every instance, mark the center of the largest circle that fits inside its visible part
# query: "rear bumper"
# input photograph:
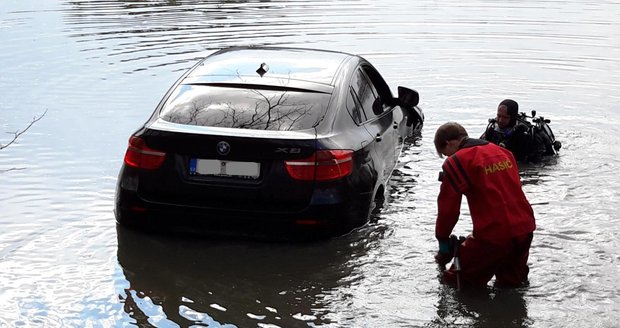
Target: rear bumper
(315, 221)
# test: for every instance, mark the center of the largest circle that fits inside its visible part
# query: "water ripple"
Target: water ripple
(100, 67)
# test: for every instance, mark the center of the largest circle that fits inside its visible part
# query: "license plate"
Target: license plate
(215, 167)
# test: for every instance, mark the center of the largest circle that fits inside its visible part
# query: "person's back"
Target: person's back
(490, 180)
(503, 220)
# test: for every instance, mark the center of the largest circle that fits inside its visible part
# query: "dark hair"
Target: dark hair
(512, 108)
(446, 132)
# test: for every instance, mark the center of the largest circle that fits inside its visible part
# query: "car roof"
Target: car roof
(309, 69)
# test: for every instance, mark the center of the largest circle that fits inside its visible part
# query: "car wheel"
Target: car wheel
(379, 201)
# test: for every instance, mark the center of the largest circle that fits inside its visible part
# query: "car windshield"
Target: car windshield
(278, 109)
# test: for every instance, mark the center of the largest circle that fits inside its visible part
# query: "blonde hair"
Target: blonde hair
(446, 132)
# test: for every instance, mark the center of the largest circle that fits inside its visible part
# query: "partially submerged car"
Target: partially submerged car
(255, 140)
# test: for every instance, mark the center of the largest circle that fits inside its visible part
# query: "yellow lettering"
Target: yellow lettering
(488, 170)
(499, 166)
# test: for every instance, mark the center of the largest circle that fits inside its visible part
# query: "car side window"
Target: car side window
(382, 90)
(354, 108)
(377, 106)
(367, 95)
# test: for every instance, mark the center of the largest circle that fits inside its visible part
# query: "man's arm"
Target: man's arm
(448, 211)
(448, 205)
(537, 148)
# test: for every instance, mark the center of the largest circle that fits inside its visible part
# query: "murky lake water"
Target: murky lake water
(98, 68)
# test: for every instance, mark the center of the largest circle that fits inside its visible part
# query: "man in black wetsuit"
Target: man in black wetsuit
(509, 132)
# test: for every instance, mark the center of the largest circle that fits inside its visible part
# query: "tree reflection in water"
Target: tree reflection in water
(213, 282)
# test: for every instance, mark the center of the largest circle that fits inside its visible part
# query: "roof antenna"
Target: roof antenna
(262, 69)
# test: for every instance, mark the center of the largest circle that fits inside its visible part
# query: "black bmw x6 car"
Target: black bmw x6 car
(256, 140)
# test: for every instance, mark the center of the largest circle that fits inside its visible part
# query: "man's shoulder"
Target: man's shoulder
(479, 147)
(473, 142)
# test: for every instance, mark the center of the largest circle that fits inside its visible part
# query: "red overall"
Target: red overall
(503, 220)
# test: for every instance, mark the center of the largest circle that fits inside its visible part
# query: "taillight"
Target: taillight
(323, 165)
(141, 156)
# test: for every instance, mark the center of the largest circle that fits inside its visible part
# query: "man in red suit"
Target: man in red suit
(503, 220)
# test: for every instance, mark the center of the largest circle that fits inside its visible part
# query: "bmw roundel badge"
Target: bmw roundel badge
(223, 148)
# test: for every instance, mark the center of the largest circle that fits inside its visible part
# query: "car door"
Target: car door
(384, 108)
(378, 121)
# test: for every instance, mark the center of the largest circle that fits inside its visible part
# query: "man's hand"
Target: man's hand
(444, 255)
(443, 258)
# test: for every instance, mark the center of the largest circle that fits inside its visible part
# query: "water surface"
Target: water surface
(98, 68)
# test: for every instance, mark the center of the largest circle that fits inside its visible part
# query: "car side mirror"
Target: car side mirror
(408, 98)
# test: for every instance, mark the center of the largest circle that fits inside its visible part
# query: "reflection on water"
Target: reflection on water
(486, 308)
(98, 68)
(203, 282)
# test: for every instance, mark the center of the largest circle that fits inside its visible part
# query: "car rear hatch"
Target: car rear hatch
(227, 130)
(227, 172)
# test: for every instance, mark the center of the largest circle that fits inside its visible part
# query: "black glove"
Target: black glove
(443, 258)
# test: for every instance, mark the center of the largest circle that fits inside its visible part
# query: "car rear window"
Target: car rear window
(238, 107)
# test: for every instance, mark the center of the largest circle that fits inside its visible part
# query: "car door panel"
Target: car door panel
(379, 124)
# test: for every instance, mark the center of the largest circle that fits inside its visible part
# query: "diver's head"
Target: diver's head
(507, 113)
